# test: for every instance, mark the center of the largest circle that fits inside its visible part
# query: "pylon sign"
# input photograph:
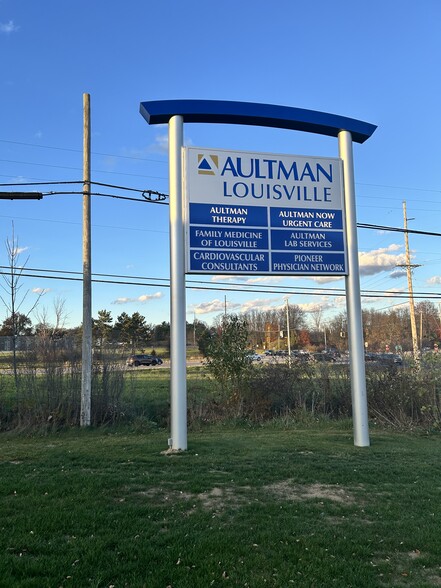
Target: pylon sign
(260, 213)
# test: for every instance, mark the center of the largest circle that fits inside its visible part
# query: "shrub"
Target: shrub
(405, 397)
(276, 389)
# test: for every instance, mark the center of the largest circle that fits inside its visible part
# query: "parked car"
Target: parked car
(391, 359)
(323, 356)
(254, 357)
(143, 359)
(300, 355)
(384, 358)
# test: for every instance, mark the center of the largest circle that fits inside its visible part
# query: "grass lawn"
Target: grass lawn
(244, 506)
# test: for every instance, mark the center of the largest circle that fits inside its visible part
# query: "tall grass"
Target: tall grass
(50, 397)
(47, 397)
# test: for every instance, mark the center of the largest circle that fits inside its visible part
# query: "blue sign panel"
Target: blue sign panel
(230, 262)
(308, 263)
(301, 239)
(301, 218)
(234, 216)
(210, 237)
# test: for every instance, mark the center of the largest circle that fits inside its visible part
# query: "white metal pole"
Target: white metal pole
(178, 367)
(353, 299)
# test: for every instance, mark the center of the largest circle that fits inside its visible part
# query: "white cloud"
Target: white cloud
(319, 306)
(325, 279)
(41, 290)
(380, 260)
(248, 280)
(215, 305)
(434, 280)
(147, 297)
(8, 27)
(227, 279)
(261, 304)
(143, 298)
(122, 300)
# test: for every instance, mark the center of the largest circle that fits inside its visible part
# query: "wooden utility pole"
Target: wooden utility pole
(409, 268)
(86, 376)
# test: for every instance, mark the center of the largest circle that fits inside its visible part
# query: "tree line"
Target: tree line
(268, 329)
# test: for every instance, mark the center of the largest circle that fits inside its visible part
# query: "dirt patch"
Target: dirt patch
(415, 554)
(288, 490)
(220, 498)
(214, 500)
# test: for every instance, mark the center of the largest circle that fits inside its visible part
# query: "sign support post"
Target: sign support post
(353, 301)
(178, 367)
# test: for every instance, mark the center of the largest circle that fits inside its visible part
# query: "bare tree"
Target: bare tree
(48, 333)
(13, 297)
(52, 329)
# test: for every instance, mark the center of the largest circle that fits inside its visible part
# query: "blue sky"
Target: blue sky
(376, 61)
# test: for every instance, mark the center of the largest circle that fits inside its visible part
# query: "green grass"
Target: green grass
(264, 506)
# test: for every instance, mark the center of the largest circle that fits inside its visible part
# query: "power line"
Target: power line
(162, 195)
(201, 285)
(399, 187)
(397, 230)
(43, 183)
(80, 151)
(72, 150)
(147, 200)
(101, 171)
(149, 195)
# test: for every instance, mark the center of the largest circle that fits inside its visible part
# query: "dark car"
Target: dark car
(143, 359)
(391, 359)
(386, 359)
(324, 356)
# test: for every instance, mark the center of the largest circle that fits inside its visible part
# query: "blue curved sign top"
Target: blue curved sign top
(251, 113)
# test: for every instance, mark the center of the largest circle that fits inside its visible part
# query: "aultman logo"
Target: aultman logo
(207, 164)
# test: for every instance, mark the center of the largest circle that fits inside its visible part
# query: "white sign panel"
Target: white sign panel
(260, 213)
